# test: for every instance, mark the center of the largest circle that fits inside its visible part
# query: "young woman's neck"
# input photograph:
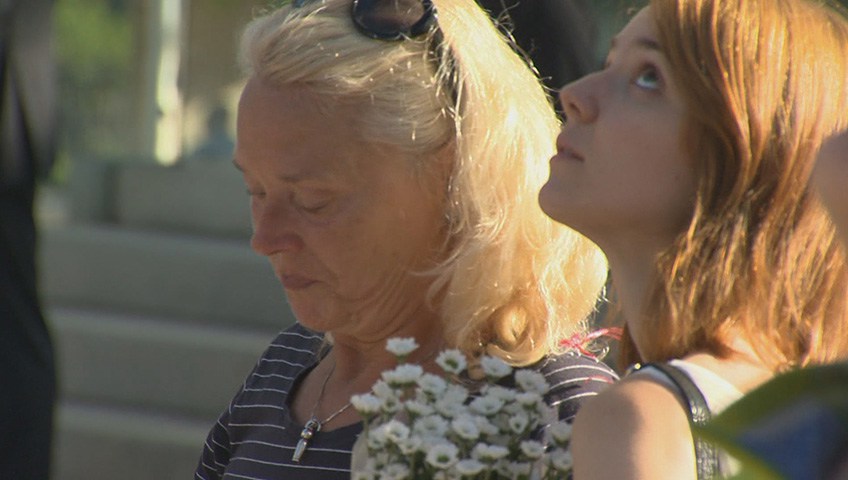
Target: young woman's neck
(632, 276)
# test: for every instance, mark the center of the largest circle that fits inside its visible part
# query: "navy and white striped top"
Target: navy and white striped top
(255, 437)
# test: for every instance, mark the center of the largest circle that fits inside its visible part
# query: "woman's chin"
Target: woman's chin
(548, 201)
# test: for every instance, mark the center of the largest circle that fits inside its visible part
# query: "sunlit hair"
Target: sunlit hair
(514, 283)
(763, 81)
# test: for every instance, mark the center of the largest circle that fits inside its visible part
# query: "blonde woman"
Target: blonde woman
(686, 160)
(393, 151)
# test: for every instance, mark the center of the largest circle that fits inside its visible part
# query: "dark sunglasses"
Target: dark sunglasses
(390, 19)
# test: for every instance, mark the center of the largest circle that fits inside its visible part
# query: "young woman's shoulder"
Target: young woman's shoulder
(637, 429)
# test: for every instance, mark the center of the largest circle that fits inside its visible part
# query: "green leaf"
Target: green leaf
(795, 424)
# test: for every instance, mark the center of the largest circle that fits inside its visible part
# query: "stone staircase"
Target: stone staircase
(158, 310)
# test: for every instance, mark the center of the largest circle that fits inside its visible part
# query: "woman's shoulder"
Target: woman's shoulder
(293, 349)
(641, 420)
(572, 362)
(296, 341)
(289, 355)
(573, 378)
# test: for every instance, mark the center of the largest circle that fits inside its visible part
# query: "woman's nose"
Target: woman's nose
(274, 230)
(578, 100)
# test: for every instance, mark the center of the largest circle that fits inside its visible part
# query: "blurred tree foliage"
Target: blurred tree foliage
(95, 58)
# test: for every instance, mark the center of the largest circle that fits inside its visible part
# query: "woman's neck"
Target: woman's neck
(361, 361)
(743, 367)
(631, 278)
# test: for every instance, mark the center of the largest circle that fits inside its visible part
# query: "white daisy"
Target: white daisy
(442, 456)
(560, 432)
(517, 469)
(452, 361)
(468, 467)
(485, 426)
(394, 471)
(561, 460)
(465, 427)
(418, 408)
(532, 449)
(529, 400)
(403, 375)
(366, 404)
(401, 347)
(489, 453)
(504, 394)
(382, 390)
(494, 367)
(430, 426)
(433, 385)
(394, 430)
(531, 381)
(518, 422)
(487, 405)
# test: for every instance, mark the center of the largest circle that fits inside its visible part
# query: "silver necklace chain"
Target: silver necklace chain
(313, 425)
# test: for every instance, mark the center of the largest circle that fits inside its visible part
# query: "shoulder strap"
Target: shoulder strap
(706, 455)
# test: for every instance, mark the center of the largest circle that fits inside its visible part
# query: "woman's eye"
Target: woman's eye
(648, 78)
(312, 205)
(313, 208)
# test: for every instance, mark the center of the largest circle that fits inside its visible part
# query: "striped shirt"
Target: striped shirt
(255, 437)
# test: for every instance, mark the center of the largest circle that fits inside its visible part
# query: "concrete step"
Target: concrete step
(199, 279)
(95, 442)
(139, 362)
(193, 197)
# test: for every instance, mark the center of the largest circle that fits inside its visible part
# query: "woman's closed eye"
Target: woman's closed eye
(254, 192)
(312, 205)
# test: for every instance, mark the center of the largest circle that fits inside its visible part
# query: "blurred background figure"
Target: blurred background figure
(27, 377)
(218, 144)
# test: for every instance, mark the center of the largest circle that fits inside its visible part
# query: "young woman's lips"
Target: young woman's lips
(295, 282)
(564, 151)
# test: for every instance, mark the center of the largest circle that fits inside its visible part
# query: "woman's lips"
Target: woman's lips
(294, 282)
(565, 151)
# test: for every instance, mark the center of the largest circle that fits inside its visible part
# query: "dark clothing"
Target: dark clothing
(255, 437)
(558, 35)
(28, 90)
(27, 130)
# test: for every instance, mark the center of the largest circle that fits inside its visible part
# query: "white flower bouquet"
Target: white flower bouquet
(423, 426)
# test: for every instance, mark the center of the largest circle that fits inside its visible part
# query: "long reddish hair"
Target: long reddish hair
(764, 81)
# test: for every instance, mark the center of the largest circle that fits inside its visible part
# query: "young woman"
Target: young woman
(686, 160)
(830, 179)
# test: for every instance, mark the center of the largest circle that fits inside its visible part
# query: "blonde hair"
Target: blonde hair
(764, 82)
(514, 284)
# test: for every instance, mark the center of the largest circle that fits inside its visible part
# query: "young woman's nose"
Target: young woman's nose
(578, 100)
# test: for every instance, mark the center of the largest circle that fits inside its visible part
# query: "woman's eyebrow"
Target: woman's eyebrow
(288, 178)
(642, 42)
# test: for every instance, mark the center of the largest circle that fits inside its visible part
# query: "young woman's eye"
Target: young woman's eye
(648, 78)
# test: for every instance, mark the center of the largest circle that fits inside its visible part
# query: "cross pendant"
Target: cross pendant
(311, 427)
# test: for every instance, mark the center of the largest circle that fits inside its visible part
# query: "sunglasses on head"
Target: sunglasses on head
(390, 19)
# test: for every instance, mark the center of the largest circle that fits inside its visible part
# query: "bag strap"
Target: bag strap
(706, 455)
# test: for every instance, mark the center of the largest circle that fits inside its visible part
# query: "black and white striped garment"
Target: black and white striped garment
(255, 437)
